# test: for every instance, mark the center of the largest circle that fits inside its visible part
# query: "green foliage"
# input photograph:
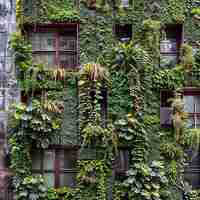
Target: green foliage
(35, 123)
(134, 134)
(174, 11)
(171, 151)
(193, 138)
(50, 11)
(59, 11)
(172, 172)
(94, 174)
(187, 59)
(168, 78)
(151, 39)
(31, 188)
(20, 157)
(120, 102)
(195, 11)
(147, 182)
(64, 193)
(23, 51)
(193, 195)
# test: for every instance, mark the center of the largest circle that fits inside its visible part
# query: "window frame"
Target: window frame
(56, 171)
(118, 33)
(166, 125)
(58, 29)
(192, 92)
(178, 31)
(121, 162)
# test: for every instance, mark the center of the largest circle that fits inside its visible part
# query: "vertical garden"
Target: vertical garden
(110, 103)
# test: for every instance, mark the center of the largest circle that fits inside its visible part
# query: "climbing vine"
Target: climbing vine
(132, 79)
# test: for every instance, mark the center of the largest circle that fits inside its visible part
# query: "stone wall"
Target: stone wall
(9, 92)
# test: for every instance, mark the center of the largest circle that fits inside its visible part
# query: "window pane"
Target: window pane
(125, 3)
(43, 41)
(49, 179)
(36, 159)
(49, 158)
(35, 41)
(68, 60)
(197, 103)
(193, 177)
(168, 60)
(168, 46)
(190, 122)
(67, 159)
(67, 43)
(197, 122)
(67, 179)
(47, 41)
(188, 103)
(45, 59)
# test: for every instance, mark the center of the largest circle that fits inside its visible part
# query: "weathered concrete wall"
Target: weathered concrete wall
(8, 84)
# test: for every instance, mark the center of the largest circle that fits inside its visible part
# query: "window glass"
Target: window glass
(67, 179)
(67, 159)
(125, 3)
(49, 179)
(43, 41)
(55, 48)
(67, 60)
(188, 103)
(47, 41)
(45, 59)
(168, 60)
(49, 159)
(67, 43)
(168, 46)
(197, 103)
(190, 122)
(197, 122)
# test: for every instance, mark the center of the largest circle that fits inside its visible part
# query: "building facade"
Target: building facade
(104, 89)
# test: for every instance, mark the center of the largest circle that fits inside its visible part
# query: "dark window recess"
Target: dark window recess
(123, 32)
(165, 108)
(170, 45)
(55, 48)
(121, 163)
(192, 171)
(57, 165)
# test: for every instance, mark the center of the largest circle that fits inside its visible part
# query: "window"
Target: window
(165, 108)
(170, 45)
(123, 32)
(192, 107)
(192, 171)
(55, 46)
(125, 3)
(57, 165)
(121, 163)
